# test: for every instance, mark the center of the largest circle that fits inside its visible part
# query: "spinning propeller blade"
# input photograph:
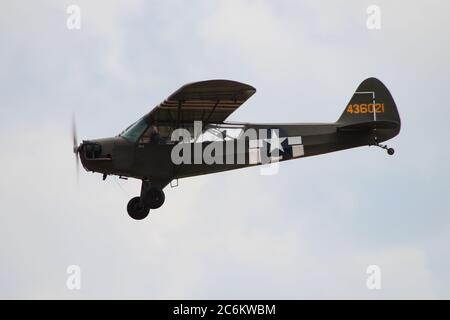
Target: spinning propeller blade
(75, 146)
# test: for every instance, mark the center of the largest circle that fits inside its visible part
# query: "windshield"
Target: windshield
(134, 131)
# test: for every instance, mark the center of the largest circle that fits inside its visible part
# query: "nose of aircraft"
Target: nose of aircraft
(96, 155)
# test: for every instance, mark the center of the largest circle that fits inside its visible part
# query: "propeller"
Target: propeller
(75, 145)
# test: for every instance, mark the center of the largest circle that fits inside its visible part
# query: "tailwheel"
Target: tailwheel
(154, 198)
(390, 151)
(136, 209)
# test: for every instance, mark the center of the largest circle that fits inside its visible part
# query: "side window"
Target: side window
(151, 135)
(156, 134)
(221, 133)
(146, 137)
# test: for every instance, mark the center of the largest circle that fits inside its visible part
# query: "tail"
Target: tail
(371, 109)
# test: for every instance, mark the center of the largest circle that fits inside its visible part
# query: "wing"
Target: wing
(210, 101)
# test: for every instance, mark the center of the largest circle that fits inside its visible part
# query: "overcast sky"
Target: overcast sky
(308, 232)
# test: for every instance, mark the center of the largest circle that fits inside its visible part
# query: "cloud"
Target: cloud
(251, 32)
(405, 273)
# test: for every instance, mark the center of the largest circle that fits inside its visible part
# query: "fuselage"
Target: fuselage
(155, 161)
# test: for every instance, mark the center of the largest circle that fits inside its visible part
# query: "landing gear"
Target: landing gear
(151, 197)
(136, 209)
(154, 198)
(390, 151)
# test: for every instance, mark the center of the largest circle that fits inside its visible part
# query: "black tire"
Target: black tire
(154, 198)
(136, 209)
(390, 151)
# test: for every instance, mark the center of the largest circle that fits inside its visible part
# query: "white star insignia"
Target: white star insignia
(275, 141)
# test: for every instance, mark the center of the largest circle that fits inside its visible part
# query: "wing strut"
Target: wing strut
(179, 113)
(212, 111)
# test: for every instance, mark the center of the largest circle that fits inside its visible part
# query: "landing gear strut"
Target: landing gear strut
(390, 151)
(151, 197)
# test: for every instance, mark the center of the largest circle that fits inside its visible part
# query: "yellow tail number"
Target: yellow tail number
(365, 108)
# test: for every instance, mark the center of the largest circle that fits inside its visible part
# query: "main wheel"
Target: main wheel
(154, 198)
(136, 209)
(390, 151)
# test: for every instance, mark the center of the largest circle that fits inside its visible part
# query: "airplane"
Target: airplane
(187, 135)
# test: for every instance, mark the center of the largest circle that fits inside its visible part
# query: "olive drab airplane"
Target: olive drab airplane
(187, 135)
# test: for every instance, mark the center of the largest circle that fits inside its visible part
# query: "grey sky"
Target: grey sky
(308, 232)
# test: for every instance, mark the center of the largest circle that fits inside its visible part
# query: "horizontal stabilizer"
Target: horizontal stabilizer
(369, 126)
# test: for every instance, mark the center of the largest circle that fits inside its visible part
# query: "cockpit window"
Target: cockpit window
(135, 131)
(220, 132)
